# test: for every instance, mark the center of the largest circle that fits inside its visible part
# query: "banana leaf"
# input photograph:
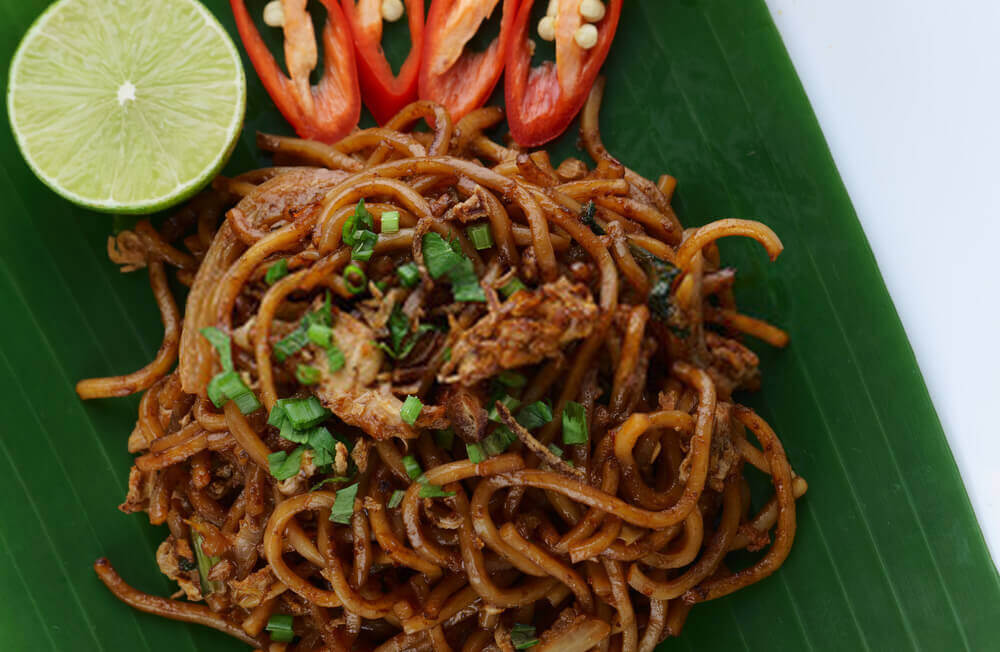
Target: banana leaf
(888, 554)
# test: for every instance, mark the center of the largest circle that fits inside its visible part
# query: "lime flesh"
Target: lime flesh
(126, 106)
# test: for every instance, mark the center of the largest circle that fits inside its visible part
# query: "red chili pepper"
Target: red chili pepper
(542, 102)
(383, 93)
(328, 111)
(460, 80)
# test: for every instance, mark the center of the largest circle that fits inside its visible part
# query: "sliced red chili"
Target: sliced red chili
(542, 101)
(382, 92)
(327, 111)
(449, 74)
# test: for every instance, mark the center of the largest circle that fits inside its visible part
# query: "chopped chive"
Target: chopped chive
(307, 375)
(475, 452)
(498, 441)
(574, 424)
(444, 438)
(512, 286)
(326, 481)
(512, 378)
(412, 467)
(389, 222)
(441, 258)
(323, 444)
(523, 636)
(343, 505)
(558, 452)
(535, 415)
(276, 272)
(246, 402)
(364, 245)
(480, 236)
(359, 221)
(222, 344)
(509, 402)
(334, 358)
(320, 335)
(409, 274)
(434, 491)
(305, 412)
(284, 465)
(279, 626)
(396, 498)
(205, 564)
(228, 386)
(382, 286)
(290, 344)
(359, 282)
(411, 410)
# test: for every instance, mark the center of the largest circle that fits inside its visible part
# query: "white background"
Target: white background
(908, 95)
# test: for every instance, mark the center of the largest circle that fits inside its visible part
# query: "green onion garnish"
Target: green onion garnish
(412, 467)
(511, 379)
(443, 258)
(205, 564)
(359, 221)
(343, 505)
(409, 274)
(323, 444)
(290, 344)
(364, 245)
(411, 409)
(389, 222)
(434, 491)
(276, 271)
(222, 344)
(574, 424)
(307, 375)
(558, 452)
(335, 358)
(285, 465)
(508, 401)
(535, 415)
(280, 628)
(320, 335)
(476, 454)
(444, 438)
(498, 441)
(396, 498)
(305, 412)
(512, 286)
(480, 236)
(523, 636)
(587, 217)
(355, 279)
(228, 386)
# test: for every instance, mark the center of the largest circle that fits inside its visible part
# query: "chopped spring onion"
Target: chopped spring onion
(222, 344)
(307, 375)
(320, 335)
(443, 258)
(508, 401)
(305, 412)
(290, 344)
(359, 221)
(587, 217)
(434, 491)
(444, 438)
(476, 454)
(276, 272)
(574, 423)
(409, 274)
(382, 286)
(480, 236)
(323, 444)
(279, 626)
(523, 636)
(389, 222)
(558, 452)
(285, 465)
(396, 498)
(412, 467)
(205, 564)
(511, 379)
(446, 354)
(498, 441)
(364, 245)
(343, 505)
(335, 358)
(325, 481)
(512, 286)
(355, 279)
(411, 409)
(228, 386)
(535, 415)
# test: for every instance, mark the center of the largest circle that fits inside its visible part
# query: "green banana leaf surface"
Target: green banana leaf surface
(888, 554)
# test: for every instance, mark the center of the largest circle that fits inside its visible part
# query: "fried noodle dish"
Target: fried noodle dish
(430, 392)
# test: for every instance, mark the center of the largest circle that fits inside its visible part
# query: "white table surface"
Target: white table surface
(908, 95)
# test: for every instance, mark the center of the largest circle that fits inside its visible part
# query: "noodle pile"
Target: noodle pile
(574, 477)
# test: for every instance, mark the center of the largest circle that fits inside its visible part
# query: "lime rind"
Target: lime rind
(194, 179)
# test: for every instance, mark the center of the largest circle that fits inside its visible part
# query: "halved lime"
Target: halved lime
(126, 106)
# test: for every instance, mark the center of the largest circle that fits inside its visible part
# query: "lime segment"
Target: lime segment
(124, 106)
